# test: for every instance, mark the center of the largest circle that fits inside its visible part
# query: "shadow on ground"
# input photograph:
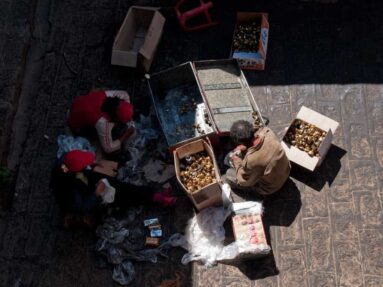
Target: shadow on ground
(280, 209)
(326, 172)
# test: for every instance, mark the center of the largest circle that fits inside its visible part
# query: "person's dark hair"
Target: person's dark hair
(242, 132)
(110, 106)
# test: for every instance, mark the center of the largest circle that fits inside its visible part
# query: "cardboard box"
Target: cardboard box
(107, 167)
(249, 227)
(322, 122)
(138, 37)
(210, 194)
(249, 230)
(253, 60)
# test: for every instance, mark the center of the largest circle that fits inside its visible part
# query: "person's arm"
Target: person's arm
(245, 176)
(100, 187)
(104, 132)
(118, 94)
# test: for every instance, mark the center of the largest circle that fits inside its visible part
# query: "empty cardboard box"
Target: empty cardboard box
(253, 60)
(210, 194)
(322, 122)
(138, 38)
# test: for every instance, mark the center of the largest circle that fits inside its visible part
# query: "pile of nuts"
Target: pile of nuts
(200, 130)
(206, 117)
(197, 171)
(246, 37)
(257, 123)
(304, 136)
(188, 107)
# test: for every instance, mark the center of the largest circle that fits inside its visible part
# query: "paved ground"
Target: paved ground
(325, 228)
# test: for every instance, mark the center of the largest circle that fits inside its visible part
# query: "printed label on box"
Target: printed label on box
(264, 41)
(151, 221)
(156, 233)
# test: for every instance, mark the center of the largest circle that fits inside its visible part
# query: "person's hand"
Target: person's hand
(97, 164)
(100, 188)
(127, 134)
(238, 152)
(235, 156)
(240, 148)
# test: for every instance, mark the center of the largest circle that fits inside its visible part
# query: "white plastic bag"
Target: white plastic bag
(205, 233)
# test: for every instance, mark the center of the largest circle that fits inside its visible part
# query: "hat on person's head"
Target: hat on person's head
(125, 112)
(77, 160)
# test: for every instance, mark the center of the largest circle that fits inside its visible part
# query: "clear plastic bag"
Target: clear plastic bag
(205, 233)
(131, 172)
(123, 243)
(124, 273)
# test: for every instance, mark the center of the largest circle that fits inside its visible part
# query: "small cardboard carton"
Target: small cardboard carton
(107, 167)
(253, 60)
(248, 230)
(210, 194)
(322, 122)
(137, 40)
(249, 227)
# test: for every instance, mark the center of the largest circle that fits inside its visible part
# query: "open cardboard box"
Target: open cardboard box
(253, 60)
(210, 194)
(324, 123)
(248, 227)
(138, 37)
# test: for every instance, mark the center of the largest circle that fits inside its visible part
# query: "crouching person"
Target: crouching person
(83, 193)
(102, 111)
(259, 162)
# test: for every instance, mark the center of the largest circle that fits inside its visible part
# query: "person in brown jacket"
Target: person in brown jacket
(259, 162)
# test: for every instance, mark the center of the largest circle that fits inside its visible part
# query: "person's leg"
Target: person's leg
(230, 177)
(128, 194)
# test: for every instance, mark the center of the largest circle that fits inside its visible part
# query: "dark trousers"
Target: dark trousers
(129, 195)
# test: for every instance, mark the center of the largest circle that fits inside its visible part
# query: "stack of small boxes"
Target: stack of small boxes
(155, 232)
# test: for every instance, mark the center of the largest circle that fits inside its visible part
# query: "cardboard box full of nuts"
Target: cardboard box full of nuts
(197, 173)
(308, 138)
(250, 40)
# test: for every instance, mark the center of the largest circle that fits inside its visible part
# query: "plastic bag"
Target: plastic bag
(124, 273)
(121, 244)
(131, 172)
(205, 233)
(115, 255)
(68, 143)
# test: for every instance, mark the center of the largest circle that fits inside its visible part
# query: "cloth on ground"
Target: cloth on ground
(137, 170)
(68, 143)
(157, 171)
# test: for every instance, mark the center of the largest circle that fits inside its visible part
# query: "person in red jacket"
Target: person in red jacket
(102, 110)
